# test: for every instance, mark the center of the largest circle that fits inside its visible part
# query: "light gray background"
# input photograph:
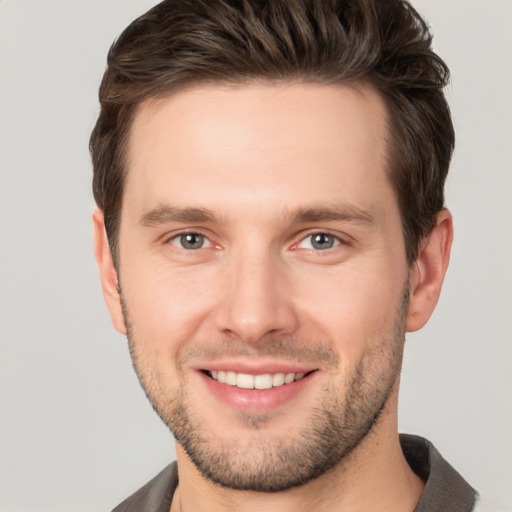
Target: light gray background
(76, 431)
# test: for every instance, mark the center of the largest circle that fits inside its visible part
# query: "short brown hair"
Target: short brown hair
(385, 43)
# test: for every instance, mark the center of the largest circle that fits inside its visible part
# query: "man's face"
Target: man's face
(261, 246)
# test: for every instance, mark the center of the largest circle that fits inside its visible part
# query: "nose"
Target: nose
(257, 299)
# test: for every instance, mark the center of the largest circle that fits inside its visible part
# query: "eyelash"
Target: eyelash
(337, 240)
(178, 236)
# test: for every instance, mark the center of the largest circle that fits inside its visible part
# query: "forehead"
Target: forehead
(264, 145)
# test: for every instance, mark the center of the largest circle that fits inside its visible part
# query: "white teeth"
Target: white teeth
(278, 379)
(231, 378)
(263, 381)
(289, 377)
(245, 381)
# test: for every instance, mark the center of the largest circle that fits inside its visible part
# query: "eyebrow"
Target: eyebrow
(347, 213)
(165, 214)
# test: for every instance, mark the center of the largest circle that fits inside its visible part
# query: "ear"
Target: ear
(428, 272)
(108, 274)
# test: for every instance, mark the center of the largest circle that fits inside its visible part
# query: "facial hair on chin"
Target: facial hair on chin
(335, 428)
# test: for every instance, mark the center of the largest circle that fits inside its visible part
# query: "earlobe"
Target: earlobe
(428, 272)
(108, 274)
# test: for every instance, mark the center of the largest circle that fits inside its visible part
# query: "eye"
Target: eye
(190, 241)
(319, 241)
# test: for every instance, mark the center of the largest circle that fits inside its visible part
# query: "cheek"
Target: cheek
(355, 309)
(166, 307)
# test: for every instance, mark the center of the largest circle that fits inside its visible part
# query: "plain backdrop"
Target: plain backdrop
(76, 431)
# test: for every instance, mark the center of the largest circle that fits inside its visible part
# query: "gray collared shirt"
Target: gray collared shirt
(445, 489)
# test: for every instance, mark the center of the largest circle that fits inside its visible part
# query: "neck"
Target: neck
(373, 477)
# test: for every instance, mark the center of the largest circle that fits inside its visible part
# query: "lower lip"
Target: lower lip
(256, 400)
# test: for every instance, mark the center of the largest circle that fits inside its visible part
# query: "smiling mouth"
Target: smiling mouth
(262, 381)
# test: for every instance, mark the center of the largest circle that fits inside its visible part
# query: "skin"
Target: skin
(257, 294)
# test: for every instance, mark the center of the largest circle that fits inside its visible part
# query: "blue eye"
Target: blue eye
(319, 241)
(190, 241)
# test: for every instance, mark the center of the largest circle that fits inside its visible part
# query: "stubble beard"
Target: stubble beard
(338, 425)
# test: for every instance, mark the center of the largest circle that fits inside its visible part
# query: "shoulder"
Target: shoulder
(155, 496)
(445, 488)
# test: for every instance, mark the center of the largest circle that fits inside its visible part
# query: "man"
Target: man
(269, 179)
